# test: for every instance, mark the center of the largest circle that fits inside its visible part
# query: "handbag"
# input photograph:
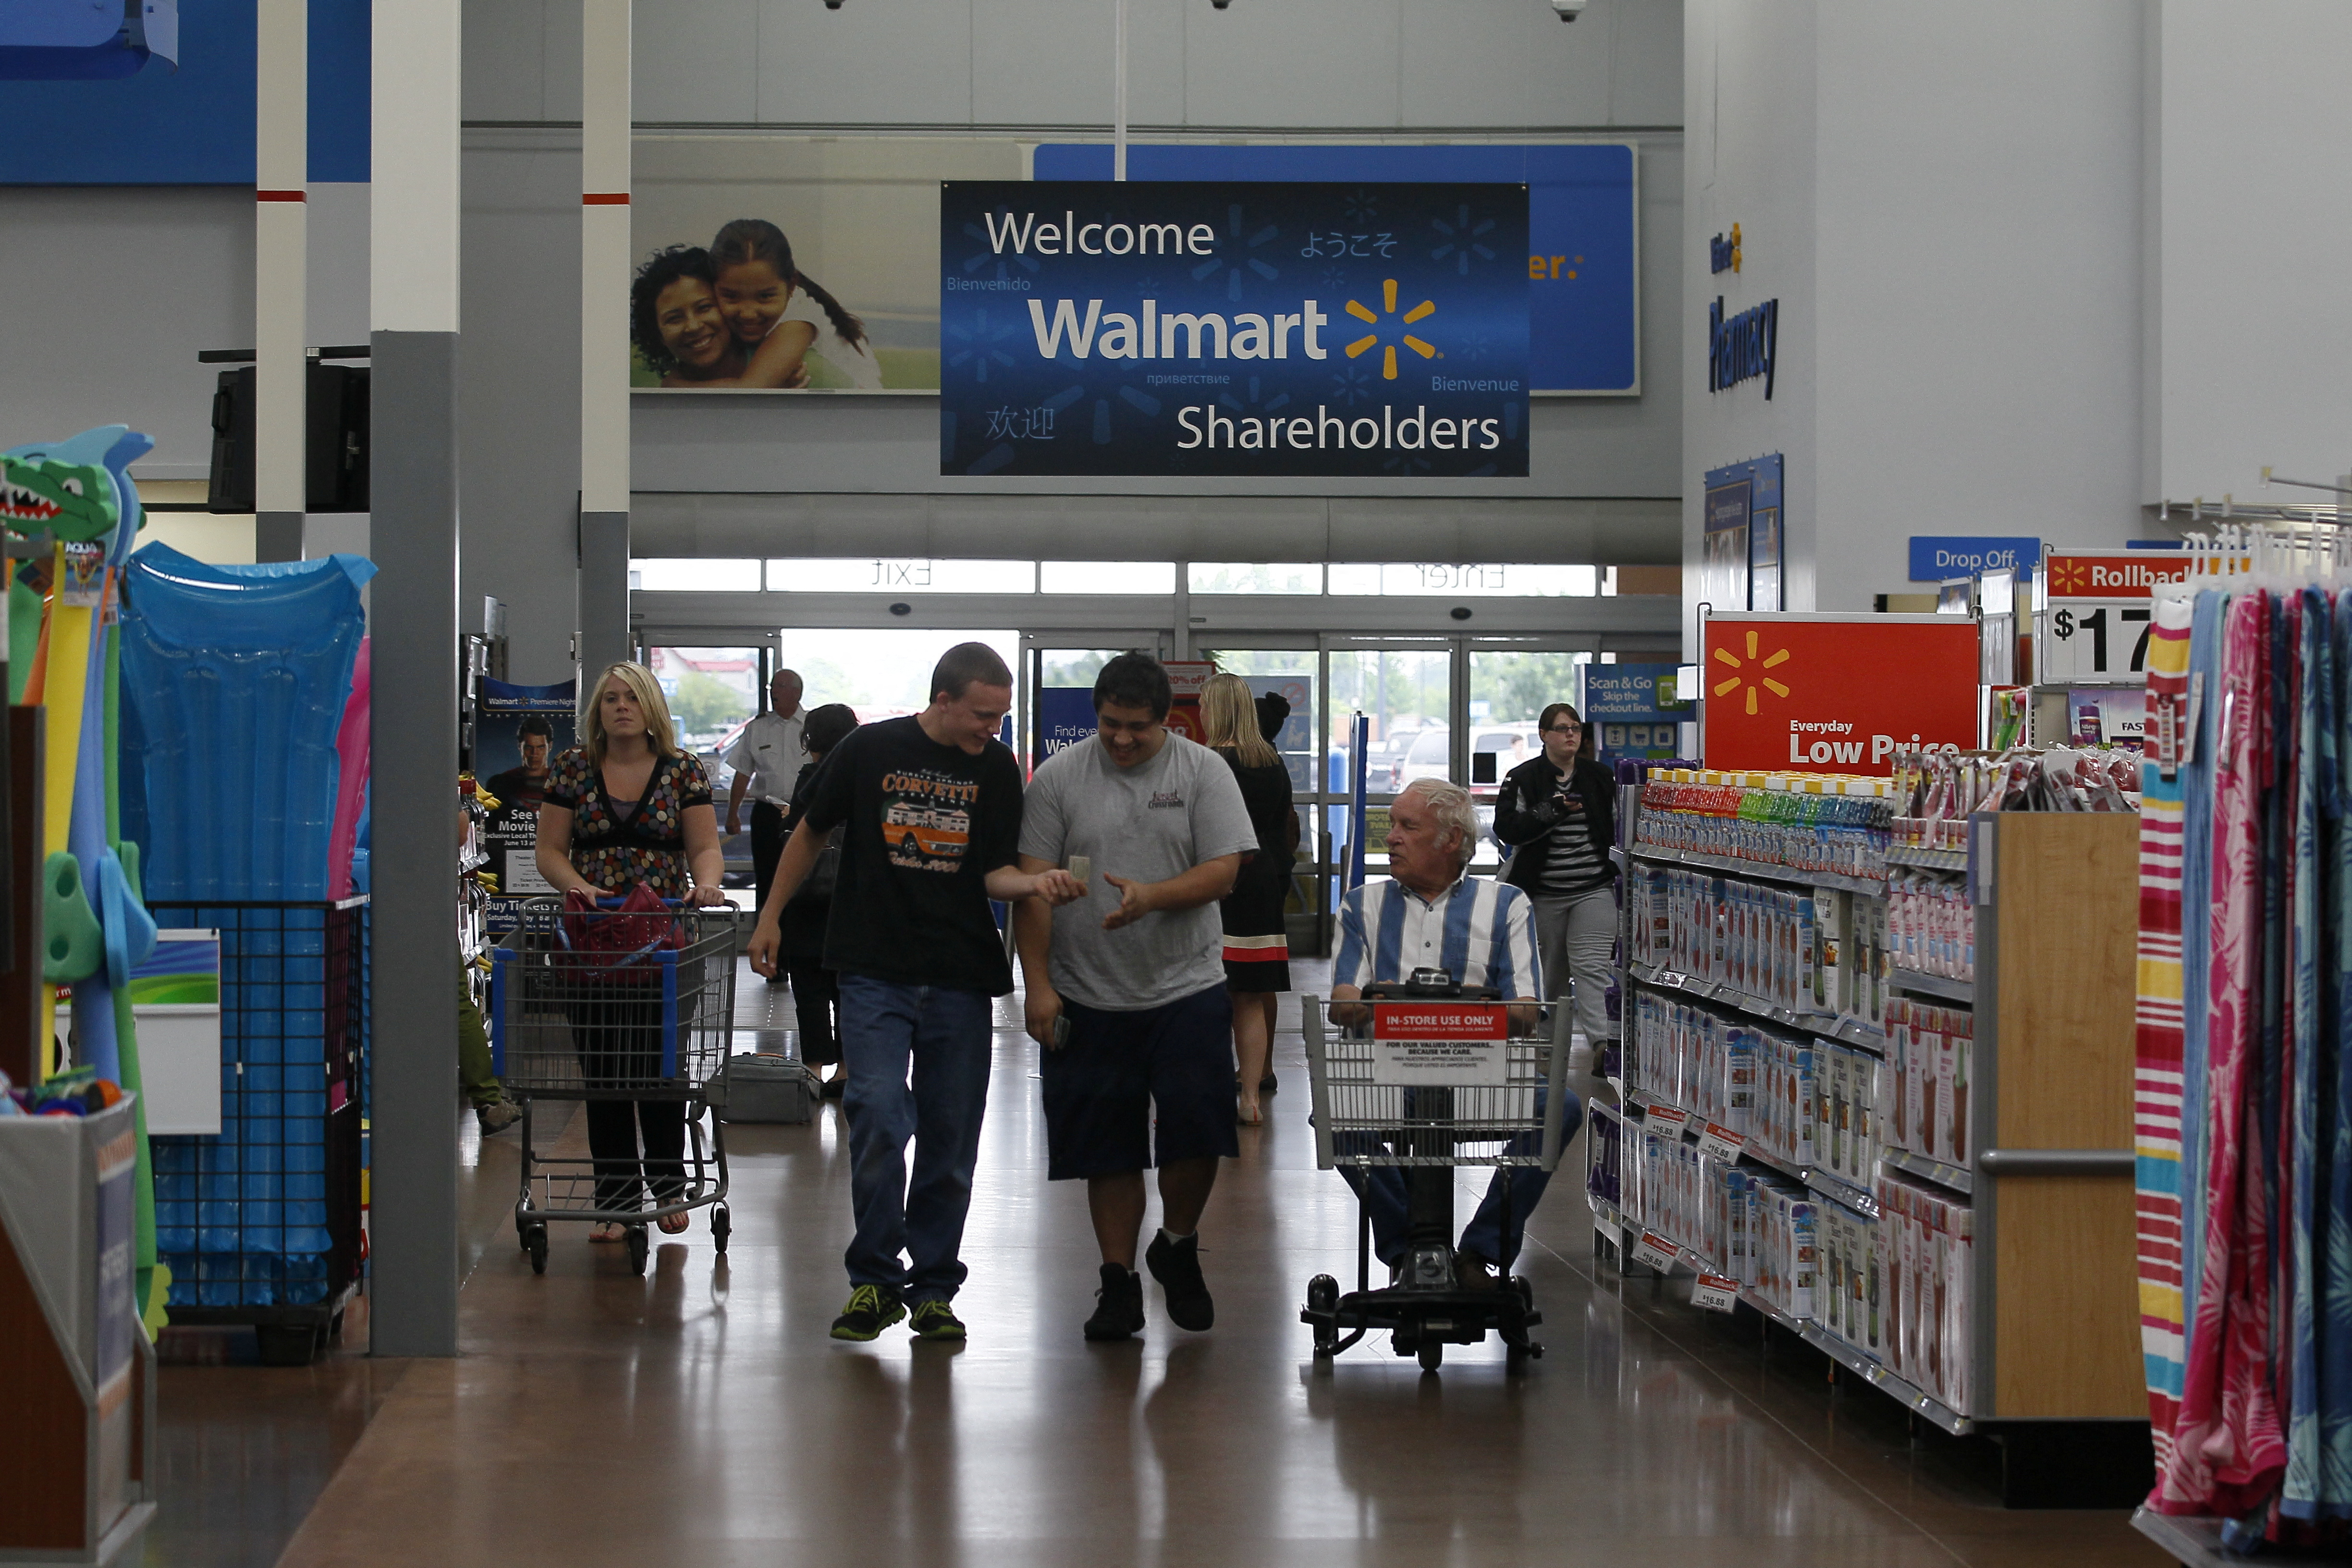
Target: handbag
(618, 937)
(817, 887)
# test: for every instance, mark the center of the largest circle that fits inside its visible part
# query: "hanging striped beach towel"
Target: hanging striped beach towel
(2158, 1080)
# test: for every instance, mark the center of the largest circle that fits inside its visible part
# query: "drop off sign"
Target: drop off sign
(1937, 556)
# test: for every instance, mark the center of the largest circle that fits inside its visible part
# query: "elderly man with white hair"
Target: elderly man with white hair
(1430, 914)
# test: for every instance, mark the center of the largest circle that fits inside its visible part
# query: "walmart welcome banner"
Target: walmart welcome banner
(1258, 329)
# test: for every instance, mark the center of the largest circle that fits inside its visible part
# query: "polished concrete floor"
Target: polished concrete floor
(700, 1415)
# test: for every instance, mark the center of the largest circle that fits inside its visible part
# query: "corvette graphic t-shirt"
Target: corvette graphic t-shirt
(927, 823)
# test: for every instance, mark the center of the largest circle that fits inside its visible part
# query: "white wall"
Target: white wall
(1749, 160)
(1979, 238)
(2255, 217)
(111, 291)
(1299, 64)
(1947, 203)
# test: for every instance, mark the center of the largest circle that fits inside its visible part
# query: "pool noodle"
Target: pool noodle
(152, 1280)
(61, 695)
(86, 838)
(65, 669)
(25, 620)
(350, 777)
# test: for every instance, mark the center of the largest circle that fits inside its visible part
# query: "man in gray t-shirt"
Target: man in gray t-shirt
(1127, 985)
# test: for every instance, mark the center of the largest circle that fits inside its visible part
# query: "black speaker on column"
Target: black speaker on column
(334, 439)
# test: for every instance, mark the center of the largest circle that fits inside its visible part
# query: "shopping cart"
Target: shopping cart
(584, 1007)
(1429, 1075)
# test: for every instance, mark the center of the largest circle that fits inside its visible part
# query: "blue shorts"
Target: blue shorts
(1103, 1087)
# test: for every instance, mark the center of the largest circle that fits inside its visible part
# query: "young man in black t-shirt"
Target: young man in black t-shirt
(933, 805)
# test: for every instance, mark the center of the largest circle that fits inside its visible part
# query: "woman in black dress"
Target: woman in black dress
(816, 995)
(1257, 950)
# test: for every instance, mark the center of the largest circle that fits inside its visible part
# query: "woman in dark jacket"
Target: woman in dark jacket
(817, 993)
(1558, 812)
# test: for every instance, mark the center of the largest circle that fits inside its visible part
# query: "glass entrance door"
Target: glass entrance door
(1058, 682)
(1511, 681)
(1456, 708)
(1294, 674)
(715, 686)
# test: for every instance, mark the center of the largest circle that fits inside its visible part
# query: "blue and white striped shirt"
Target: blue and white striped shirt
(1482, 932)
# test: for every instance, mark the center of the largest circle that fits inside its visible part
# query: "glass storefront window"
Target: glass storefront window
(1107, 576)
(1289, 673)
(711, 692)
(1463, 580)
(1255, 576)
(883, 674)
(1407, 694)
(1508, 692)
(898, 574)
(693, 575)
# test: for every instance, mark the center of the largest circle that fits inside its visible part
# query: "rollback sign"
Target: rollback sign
(2100, 611)
(1258, 329)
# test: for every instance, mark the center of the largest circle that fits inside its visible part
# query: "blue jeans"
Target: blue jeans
(1382, 1190)
(941, 1039)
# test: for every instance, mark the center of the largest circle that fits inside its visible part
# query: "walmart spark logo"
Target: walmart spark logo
(1744, 677)
(1371, 339)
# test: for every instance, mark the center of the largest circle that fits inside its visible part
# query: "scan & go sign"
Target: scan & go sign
(1833, 693)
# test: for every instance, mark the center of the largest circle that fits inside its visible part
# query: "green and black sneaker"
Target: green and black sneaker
(934, 1321)
(871, 1309)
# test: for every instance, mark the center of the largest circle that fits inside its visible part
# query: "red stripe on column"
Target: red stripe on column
(605, 199)
(280, 195)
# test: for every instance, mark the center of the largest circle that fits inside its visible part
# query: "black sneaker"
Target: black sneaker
(1177, 1266)
(934, 1321)
(1118, 1311)
(871, 1309)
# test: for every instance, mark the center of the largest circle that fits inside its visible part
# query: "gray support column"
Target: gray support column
(277, 535)
(280, 273)
(605, 270)
(412, 321)
(604, 636)
(413, 1229)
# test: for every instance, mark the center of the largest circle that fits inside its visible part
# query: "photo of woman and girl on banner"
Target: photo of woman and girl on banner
(738, 313)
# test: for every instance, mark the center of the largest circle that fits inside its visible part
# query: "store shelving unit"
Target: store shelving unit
(1852, 1031)
(1758, 870)
(2057, 922)
(2054, 1308)
(1942, 985)
(2193, 1543)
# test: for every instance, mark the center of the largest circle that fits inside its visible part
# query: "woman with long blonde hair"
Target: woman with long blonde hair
(1257, 950)
(627, 807)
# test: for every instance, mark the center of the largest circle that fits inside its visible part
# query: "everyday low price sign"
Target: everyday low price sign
(1168, 327)
(1834, 693)
(1440, 1044)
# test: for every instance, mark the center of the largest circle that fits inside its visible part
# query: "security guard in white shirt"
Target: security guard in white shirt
(766, 758)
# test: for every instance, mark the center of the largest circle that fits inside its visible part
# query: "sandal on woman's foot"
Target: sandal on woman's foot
(1250, 1115)
(671, 1224)
(607, 1230)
